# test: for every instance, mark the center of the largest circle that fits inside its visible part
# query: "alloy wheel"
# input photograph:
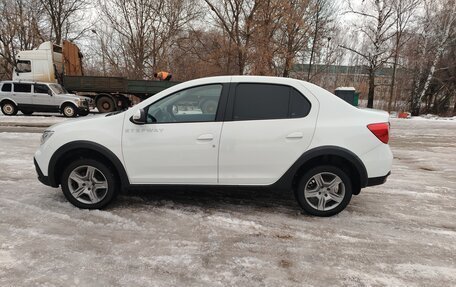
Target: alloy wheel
(88, 184)
(324, 191)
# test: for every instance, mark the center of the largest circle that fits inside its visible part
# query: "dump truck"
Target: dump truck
(62, 64)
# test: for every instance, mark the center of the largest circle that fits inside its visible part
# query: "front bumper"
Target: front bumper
(377, 180)
(43, 179)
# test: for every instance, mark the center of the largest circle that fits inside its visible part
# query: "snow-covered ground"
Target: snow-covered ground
(402, 233)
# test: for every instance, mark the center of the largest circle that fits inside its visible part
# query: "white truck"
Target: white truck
(62, 64)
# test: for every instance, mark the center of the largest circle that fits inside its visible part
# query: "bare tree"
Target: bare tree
(236, 18)
(404, 11)
(61, 15)
(143, 32)
(439, 28)
(19, 30)
(377, 21)
(295, 32)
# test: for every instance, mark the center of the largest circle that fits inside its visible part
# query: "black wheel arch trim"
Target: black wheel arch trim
(75, 145)
(286, 181)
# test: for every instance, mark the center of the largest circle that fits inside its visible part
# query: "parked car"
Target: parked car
(30, 97)
(266, 132)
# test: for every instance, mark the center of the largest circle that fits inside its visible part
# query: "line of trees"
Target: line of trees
(413, 40)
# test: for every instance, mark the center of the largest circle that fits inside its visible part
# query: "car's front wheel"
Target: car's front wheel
(324, 191)
(89, 184)
(69, 111)
(83, 113)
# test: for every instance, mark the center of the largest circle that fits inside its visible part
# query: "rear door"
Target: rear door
(22, 94)
(268, 127)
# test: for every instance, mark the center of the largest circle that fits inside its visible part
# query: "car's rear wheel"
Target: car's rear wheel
(89, 184)
(324, 191)
(27, 113)
(9, 108)
(69, 111)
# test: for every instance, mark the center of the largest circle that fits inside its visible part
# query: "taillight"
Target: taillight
(381, 131)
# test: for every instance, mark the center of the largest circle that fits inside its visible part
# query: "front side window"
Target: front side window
(22, 88)
(6, 87)
(23, 66)
(58, 89)
(198, 104)
(40, 89)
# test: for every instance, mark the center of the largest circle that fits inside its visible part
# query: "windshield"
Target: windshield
(58, 89)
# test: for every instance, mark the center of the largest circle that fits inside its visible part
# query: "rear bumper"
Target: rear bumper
(377, 180)
(43, 179)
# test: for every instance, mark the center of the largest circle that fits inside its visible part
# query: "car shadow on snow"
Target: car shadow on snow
(209, 198)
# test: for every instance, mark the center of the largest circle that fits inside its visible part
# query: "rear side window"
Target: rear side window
(268, 101)
(299, 105)
(40, 89)
(22, 88)
(6, 87)
(260, 102)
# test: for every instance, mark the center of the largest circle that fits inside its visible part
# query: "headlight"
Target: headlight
(46, 135)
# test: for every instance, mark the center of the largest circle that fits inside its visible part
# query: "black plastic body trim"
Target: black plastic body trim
(377, 180)
(39, 108)
(75, 145)
(285, 182)
(43, 179)
(287, 179)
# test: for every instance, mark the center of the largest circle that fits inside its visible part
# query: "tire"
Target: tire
(105, 105)
(69, 111)
(9, 108)
(89, 184)
(27, 113)
(83, 113)
(324, 191)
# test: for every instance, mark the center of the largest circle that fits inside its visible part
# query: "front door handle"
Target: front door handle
(206, 137)
(295, 135)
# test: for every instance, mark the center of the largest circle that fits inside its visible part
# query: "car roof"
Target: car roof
(23, 82)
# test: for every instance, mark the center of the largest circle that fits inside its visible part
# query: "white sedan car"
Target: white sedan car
(253, 131)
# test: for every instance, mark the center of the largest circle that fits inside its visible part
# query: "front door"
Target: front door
(41, 98)
(180, 142)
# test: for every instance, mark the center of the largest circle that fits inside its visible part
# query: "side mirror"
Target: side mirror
(139, 117)
(50, 92)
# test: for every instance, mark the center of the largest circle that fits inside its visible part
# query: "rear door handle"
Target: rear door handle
(206, 137)
(295, 135)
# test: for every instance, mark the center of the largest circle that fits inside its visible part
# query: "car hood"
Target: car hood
(76, 121)
(73, 96)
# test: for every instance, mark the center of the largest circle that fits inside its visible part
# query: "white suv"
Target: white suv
(29, 97)
(270, 132)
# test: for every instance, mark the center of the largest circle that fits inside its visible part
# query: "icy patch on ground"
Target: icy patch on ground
(401, 233)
